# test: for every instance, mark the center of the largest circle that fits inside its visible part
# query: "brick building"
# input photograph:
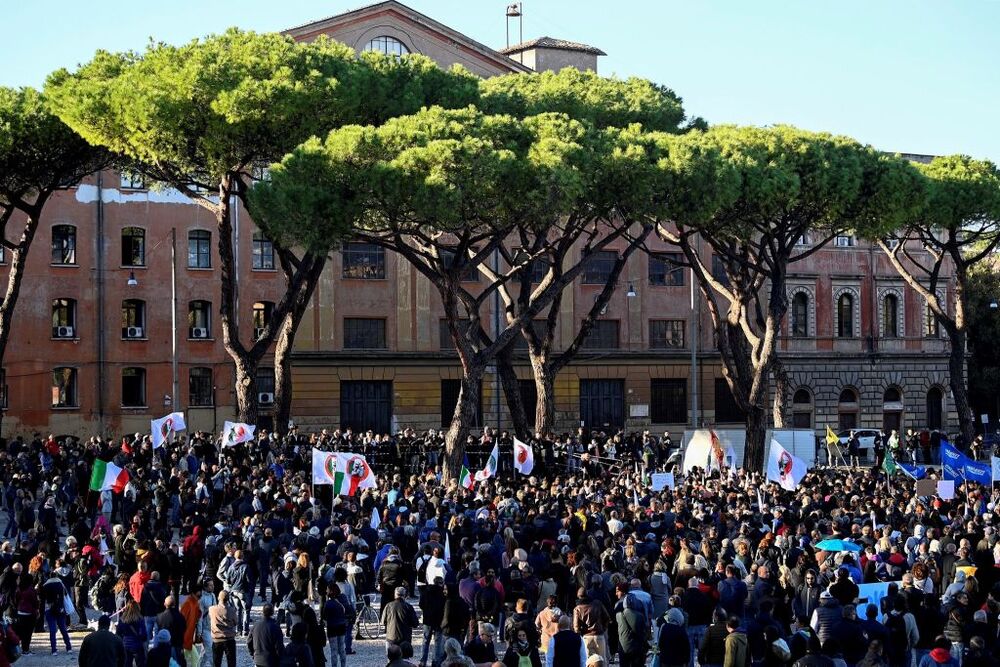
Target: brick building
(92, 348)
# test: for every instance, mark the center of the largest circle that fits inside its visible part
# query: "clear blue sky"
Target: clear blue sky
(918, 76)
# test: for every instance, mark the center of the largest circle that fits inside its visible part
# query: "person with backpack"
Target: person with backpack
(901, 634)
(54, 595)
(733, 592)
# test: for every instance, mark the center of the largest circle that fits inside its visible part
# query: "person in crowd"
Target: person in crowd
(223, 619)
(102, 648)
(266, 643)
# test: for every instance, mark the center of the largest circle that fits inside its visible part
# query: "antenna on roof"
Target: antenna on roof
(514, 12)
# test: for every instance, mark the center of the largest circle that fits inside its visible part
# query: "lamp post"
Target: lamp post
(134, 282)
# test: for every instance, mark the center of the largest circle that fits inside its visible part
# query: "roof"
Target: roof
(422, 19)
(552, 43)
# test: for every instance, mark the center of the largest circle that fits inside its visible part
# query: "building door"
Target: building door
(366, 405)
(602, 403)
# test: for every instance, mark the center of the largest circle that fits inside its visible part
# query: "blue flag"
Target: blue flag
(956, 465)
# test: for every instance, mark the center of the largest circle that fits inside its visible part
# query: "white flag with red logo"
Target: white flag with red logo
(524, 457)
(162, 428)
(234, 433)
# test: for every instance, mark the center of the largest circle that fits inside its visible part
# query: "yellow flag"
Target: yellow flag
(831, 437)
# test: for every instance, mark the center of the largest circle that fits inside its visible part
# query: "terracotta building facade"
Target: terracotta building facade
(93, 344)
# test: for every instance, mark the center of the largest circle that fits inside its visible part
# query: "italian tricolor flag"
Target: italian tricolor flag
(465, 478)
(108, 476)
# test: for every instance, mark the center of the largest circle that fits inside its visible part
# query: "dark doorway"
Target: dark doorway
(366, 404)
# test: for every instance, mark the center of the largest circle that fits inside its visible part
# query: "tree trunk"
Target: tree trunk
(458, 430)
(756, 434)
(512, 393)
(246, 390)
(16, 274)
(959, 392)
(545, 390)
(780, 393)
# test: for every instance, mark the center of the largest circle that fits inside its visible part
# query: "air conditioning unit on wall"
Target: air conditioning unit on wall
(265, 397)
(64, 332)
(199, 332)
(133, 332)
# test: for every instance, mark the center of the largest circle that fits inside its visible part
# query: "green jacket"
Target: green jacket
(633, 632)
(737, 650)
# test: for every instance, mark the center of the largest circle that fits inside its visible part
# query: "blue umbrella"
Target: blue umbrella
(838, 545)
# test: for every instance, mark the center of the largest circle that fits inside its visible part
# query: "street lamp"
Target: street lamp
(994, 305)
(134, 282)
(631, 293)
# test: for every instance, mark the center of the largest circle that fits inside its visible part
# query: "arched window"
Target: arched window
(890, 316)
(802, 409)
(387, 45)
(935, 408)
(800, 314)
(133, 246)
(847, 409)
(845, 316)
(892, 410)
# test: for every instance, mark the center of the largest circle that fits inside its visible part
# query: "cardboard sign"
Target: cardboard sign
(662, 480)
(926, 487)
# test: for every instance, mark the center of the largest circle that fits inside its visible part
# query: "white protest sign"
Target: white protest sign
(662, 480)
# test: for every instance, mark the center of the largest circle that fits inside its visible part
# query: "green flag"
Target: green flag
(889, 463)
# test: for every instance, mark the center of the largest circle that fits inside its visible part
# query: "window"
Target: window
(847, 409)
(64, 244)
(845, 316)
(470, 273)
(199, 249)
(262, 311)
(444, 333)
(133, 387)
(364, 333)
(598, 266)
(133, 246)
(133, 318)
(390, 46)
(800, 315)
(890, 316)
(845, 241)
(668, 401)
(802, 409)
(263, 253)
(604, 336)
(449, 400)
(265, 385)
(64, 387)
(199, 319)
(132, 181)
(200, 392)
(64, 318)
(539, 268)
(664, 270)
(804, 240)
(935, 407)
(726, 407)
(719, 270)
(892, 410)
(363, 261)
(666, 334)
(931, 325)
(539, 327)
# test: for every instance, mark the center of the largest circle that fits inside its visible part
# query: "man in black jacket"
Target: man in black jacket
(171, 619)
(266, 643)
(432, 606)
(102, 648)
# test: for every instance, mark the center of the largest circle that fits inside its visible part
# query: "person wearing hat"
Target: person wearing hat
(672, 642)
(826, 617)
(102, 648)
(399, 618)
(160, 654)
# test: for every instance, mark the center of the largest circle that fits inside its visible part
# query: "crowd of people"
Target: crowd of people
(578, 564)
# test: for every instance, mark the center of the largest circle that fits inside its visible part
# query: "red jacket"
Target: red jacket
(136, 583)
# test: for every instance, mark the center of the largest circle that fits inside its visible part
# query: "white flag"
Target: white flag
(447, 549)
(524, 457)
(784, 468)
(996, 468)
(376, 519)
(233, 433)
(162, 428)
(491, 465)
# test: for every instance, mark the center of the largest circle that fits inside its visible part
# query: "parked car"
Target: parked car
(866, 438)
